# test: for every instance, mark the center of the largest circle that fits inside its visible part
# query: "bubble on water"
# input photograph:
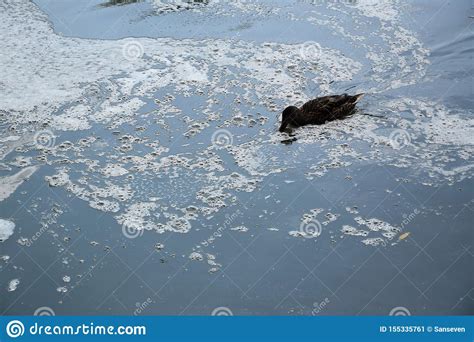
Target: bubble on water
(330, 217)
(104, 205)
(196, 256)
(135, 216)
(62, 289)
(349, 230)
(352, 210)
(22, 241)
(21, 161)
(114, 170)
(376, 225)
(374, 242)
(59, 179)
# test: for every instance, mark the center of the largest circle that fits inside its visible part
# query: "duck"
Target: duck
(319, 111)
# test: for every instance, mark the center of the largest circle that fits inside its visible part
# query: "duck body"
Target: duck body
(319, 111)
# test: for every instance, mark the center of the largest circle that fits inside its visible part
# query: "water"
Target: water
(144, 174)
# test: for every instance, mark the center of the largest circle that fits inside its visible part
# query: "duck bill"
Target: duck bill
(283, 126)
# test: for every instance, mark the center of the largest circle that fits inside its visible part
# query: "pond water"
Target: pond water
(142, 171)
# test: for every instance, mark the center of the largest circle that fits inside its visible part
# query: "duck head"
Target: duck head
(287, 117)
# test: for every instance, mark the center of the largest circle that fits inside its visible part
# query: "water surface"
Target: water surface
(144, 174)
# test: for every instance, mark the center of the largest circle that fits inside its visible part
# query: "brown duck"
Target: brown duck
(319, 111)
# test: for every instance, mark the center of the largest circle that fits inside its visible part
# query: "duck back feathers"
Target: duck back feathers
(328, 108)
(320, 110)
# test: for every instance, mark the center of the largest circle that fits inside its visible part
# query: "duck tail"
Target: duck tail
(357, 97)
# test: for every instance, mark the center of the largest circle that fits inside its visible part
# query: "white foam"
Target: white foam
(254, 74)
(13, 284)
(9, 184)
(196, 256)
(242, 229)
(6, 229)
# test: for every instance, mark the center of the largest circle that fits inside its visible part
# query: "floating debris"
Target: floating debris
(242, 229)
(13, 284)
(403, 236)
